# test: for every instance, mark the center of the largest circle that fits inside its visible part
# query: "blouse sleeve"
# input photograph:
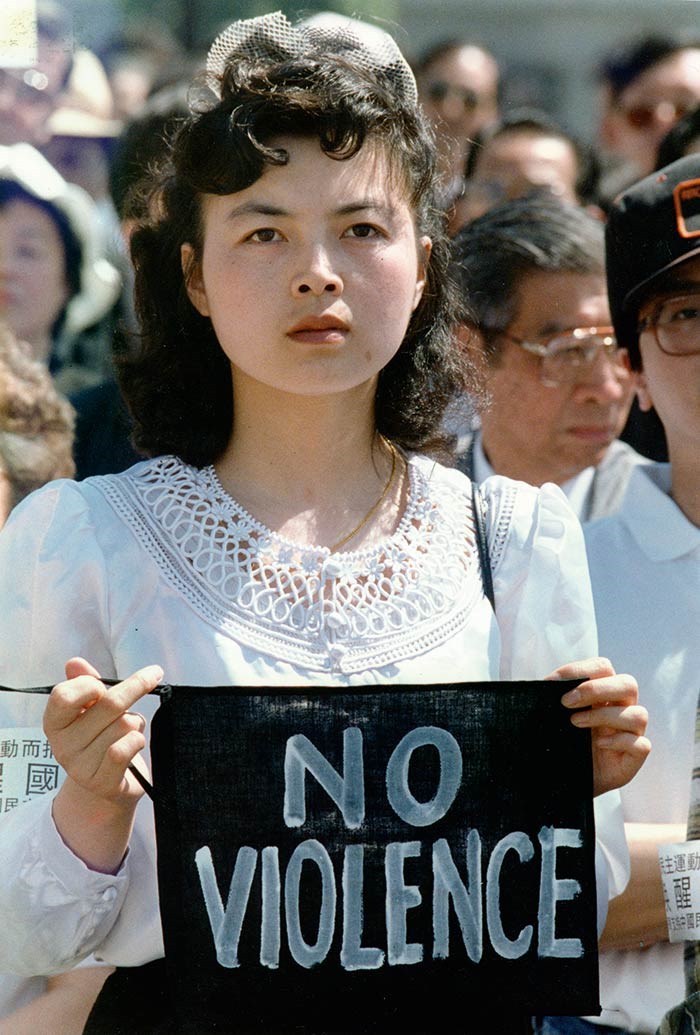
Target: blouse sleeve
(53, 589)
(54, 605)
(543, 591)
(546, 617)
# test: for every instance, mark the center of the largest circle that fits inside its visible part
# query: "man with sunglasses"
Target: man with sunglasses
(532, 277)
(458, 86)
(645, 573)
(647, 86)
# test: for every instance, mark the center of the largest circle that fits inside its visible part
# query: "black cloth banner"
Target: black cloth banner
(374, 859)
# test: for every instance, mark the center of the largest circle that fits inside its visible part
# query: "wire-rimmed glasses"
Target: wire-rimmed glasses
(675, 324)
(568, 356)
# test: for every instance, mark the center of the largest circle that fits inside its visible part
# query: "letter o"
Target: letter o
(402, 801)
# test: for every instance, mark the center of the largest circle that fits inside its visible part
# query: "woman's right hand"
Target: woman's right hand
(95, 737)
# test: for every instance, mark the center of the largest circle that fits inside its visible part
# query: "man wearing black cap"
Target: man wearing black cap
(645, 572)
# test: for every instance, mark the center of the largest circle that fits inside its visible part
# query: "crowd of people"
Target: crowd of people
(303, 294)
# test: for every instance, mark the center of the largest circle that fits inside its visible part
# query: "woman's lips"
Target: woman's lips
(320, 330)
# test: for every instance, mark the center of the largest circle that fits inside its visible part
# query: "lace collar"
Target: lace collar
(346, 611)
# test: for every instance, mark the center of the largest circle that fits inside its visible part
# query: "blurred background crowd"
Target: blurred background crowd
(526, 98)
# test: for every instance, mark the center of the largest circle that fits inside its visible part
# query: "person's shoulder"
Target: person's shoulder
(509, 504)
(647, 486)
(525, 521)
(648, 523)
(64, 503)
(526, 503)
(620, 456)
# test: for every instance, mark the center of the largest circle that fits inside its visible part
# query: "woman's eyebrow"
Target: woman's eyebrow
(365, 205)
(260, 208)
(255, 208)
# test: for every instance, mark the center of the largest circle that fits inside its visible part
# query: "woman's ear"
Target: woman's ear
(644, 398)
(192, 274)
(425, 247)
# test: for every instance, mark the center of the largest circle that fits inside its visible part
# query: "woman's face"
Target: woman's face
(310, 275)
(33, 287)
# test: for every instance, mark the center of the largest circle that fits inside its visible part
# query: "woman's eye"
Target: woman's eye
(362, 230)
(680, 310)
(27, 251)
(687, 312)
(264, 235)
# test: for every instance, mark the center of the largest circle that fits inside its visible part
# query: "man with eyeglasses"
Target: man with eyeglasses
(647, 86)
(532, 278)
(645, 573)
(458, 87)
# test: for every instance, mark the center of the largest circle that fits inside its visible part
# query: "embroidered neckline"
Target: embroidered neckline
(343, 612)
(224, 499)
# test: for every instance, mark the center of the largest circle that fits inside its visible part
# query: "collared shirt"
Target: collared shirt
(578, 490)
(645, 572)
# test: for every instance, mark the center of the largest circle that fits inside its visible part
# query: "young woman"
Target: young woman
(296, 353)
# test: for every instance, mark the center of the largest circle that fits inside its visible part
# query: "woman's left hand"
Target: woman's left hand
(606, 704)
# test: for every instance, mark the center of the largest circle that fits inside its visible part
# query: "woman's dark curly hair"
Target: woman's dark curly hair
(178, 381)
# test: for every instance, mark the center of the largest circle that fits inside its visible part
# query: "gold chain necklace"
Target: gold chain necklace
(376, 505)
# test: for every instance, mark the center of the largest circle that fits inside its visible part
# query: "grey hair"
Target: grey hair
(528, 235)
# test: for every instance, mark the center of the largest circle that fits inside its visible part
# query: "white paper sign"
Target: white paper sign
(28, 768)
(680, 874)
(17, 33)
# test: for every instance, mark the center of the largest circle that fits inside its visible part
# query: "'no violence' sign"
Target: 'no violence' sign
(375, 859)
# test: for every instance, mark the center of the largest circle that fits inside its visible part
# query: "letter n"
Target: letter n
(348, 791)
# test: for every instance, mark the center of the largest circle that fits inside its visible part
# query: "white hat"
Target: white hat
(99, 280)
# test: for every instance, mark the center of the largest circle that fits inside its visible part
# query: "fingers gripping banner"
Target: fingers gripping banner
(375, 859)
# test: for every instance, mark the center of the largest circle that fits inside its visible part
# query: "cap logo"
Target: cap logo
(686, 199)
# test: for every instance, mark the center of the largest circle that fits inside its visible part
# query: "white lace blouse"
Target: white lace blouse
(160, 565)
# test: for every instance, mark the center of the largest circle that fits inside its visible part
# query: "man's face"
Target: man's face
(458, 92)
(538, 433)
(517, 163)
(671, 384)
(636, 122)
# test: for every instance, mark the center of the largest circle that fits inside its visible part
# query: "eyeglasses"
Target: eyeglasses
(25, 87)
(642, 116)
(569, 355)
(675, 323)
(439, 90)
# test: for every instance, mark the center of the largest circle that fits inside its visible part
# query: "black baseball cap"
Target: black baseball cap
(652, 227)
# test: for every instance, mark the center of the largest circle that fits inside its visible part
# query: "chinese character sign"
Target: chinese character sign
(27, 766)
(371, 860)
(680, 875)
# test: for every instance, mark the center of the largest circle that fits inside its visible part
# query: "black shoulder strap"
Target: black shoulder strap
(465, 461)
(479, 512)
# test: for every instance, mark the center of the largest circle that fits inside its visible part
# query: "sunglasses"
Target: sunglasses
(29, 86)
(439, 90)
(642, 116)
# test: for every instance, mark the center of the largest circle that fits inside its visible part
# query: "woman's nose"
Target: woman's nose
(318, 278)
